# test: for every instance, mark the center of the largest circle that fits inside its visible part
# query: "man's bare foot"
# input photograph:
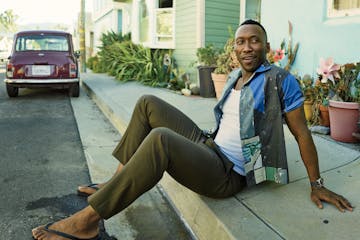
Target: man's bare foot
(83, 225)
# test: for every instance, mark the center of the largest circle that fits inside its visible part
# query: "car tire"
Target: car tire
(12, 91)
(74, 90)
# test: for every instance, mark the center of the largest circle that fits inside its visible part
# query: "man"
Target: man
(160, 138)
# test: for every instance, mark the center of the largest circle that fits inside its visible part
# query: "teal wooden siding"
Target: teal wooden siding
(219, 15)
(185, 36)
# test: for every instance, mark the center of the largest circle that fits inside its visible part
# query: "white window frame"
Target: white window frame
(153, 41)
(156, 35)
(333, 13)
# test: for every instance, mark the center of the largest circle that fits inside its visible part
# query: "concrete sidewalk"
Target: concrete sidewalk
(266, 211)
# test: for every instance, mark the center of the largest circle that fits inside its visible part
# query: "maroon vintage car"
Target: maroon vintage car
(42, 59)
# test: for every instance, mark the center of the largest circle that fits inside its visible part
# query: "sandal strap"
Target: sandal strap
(93, 186)
(66, 235)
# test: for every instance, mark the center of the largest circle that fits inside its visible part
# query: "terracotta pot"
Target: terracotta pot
(324, 116)
(308, 109)
(343, 120)
(219, 83)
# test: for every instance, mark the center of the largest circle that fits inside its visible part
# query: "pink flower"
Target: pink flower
(328, 70)
(279, 55)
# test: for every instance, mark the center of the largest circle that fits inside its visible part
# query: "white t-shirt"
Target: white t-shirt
(228, 135)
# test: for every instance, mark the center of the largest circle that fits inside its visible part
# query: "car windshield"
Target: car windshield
(42, 43)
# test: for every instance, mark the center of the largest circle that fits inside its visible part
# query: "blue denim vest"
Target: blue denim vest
(261, 123)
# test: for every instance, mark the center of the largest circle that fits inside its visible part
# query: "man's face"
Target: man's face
(250, 47)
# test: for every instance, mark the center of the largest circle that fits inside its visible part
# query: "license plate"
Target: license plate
(40, 70)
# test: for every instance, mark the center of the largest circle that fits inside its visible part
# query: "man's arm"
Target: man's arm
(297, 124)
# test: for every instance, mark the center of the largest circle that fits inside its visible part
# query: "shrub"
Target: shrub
(127, 61)
(92, 62)
(104, 55)
(207, 55)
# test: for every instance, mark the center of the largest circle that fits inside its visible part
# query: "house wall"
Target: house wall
(318, 35)
(253, 8)
(219, 15)
(106, 19)
(89, 30)
(201, 22)
(186, 35)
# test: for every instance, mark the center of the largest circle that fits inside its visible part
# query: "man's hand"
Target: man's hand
(319, 194)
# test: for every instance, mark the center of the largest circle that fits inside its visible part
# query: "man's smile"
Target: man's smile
(248, 59)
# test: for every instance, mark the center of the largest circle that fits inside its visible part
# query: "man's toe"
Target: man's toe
(38, 232)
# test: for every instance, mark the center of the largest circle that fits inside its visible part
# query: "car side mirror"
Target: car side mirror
(77, 54)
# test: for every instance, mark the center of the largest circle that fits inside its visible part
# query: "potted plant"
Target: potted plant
(226, 62)
(320, 107)
(306, 84)
(344, 98)
(207, 63)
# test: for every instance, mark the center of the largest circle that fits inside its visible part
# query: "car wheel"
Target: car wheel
(12, 91)
(74, 90)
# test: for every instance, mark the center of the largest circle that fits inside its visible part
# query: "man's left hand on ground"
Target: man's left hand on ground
(323, 194)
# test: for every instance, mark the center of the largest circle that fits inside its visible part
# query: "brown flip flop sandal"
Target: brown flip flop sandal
(66, 235)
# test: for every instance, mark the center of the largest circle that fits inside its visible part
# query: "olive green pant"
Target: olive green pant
(160, 138)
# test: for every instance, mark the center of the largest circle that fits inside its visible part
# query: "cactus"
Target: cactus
(290, 52)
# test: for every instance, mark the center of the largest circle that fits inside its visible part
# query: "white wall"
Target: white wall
(106, 19)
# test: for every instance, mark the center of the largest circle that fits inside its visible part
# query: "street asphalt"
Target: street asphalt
(41, 161)
(266, 211)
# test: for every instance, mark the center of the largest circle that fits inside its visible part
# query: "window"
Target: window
(342, 8)
(42, 43)
(164, 21)
(156, 23)
(165, 3)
